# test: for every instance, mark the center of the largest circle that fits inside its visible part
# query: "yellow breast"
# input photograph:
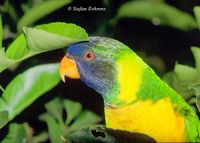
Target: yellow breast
(157, 120)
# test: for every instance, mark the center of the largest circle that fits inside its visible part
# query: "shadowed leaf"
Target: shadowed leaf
(3, 118)
(16, 134)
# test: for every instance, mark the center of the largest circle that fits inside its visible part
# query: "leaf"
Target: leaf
(196, 54)
(42, 41)
(73, 109)
(98, 134)
(186, 73)
(159, 13)
(197, 14)
(86, 118)
(184, 77)
(18, 48)
(39, 11)
(16, 134)
(54, 129)
(54, 108)
(1, 32)
(196, 88)
(63, 33)
(3, 118)
(41, 138)
(5, 61)
(25, 88)
(198, 103)
(1, 88)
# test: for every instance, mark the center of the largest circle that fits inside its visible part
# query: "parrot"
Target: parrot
(135, 98)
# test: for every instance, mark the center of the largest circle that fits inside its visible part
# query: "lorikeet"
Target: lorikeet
(135, 98)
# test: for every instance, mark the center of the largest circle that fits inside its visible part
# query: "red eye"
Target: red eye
(89, 56)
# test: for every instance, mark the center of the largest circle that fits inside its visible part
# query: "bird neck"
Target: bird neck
(129, 79)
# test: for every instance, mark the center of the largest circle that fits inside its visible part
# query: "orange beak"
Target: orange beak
(68, 68)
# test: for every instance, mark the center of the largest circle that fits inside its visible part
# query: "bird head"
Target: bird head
(96, 63)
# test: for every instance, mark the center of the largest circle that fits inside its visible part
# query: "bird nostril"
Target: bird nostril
(69, 56)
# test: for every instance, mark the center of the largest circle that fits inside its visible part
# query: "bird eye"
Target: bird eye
(89, 56)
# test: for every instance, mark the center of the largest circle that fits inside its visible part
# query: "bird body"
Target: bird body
(135, 98)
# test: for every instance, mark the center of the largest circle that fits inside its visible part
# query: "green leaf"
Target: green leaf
(18, 48)
(25, 88)
(86, 118)
(196, 54)
(73, 109)
(43, 38)
(159, 13)
(3, 118)
(5, 62)
(67, 30)
(42, 41)
(54, 129)
(197, 14)
(196, 88)
(41, 138)
(39, 11)
(1, 32)
(198, 103)
(54, 108)
(16, 134)
(186, 73)
(100, 134)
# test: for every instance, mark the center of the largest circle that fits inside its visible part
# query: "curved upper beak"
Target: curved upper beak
(68, 68)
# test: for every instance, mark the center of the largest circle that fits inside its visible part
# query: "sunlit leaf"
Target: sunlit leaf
(25, 88)
(18, 48)
(197, 14)
(40, 11)
(196, 54)
(53, 128)
(16, 134)
(3, 118)
(73, 109)
(86, 118)
(43, 38)
(159, 13)
(42, 41)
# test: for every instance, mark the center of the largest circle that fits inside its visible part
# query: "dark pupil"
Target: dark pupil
(89, 55)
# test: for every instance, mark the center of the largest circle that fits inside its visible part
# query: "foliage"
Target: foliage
(37, 11)
(157, 12)
(186, 79)
(105, 135)
(24, 89)
(3, 118)
(77, 118)
(64, 116)
(48, 37)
